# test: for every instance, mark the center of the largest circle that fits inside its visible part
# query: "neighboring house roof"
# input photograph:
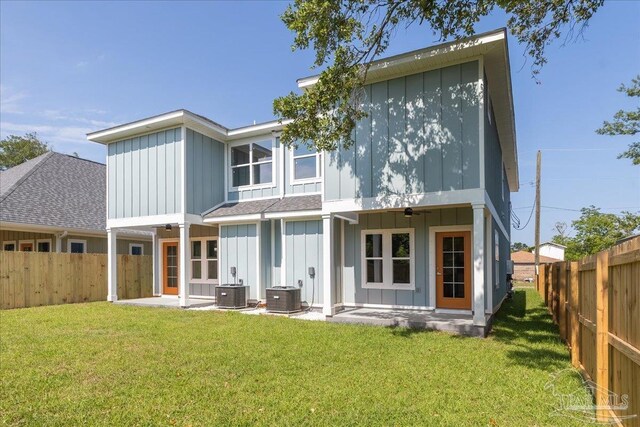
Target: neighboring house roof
(55, 190)
(524, 257)
(252, 207)
(558, 245)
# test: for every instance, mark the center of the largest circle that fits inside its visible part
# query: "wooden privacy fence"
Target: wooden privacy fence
(596, 304)
(29, 279)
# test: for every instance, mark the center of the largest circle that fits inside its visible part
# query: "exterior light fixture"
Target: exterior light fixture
(408, 212)
(167, 227)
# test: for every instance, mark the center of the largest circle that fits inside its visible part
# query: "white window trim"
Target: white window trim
(138, 245)
(387, 259)
(70, 241)
(204, 271)
(273, 162)
(38, 241)
(292, 173)
(20, 242)
(10, 242)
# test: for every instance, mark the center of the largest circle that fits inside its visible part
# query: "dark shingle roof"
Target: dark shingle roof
(286, 204)
(55, 190)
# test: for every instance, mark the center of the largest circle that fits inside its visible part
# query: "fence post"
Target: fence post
(574, 311)
(602, 335)
(562, 303)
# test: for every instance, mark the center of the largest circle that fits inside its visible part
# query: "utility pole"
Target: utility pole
(537, 202)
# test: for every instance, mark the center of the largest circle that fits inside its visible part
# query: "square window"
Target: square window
(262, 151)
(77, 247)
(9, 247)
(240, 155)
(136, 249)
(44, 246)
(304, 168)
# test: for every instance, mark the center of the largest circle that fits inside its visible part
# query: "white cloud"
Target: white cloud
(10, 100)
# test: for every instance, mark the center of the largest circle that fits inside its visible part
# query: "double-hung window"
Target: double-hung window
(307, 163)
(204, 260)
(252, 164)
(388, 259)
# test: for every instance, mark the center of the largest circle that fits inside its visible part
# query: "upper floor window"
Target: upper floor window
(252, 164)
(306, 163)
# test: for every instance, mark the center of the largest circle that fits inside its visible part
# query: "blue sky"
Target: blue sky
(70, 68)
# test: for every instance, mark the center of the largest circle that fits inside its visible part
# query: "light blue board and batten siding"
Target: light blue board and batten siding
(354, 293)
(495, 180)
(205, 172)
(421, 135)
(144, 175)
(303, 249)
(237, 246)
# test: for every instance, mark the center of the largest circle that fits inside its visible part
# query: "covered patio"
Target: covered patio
(165, 302)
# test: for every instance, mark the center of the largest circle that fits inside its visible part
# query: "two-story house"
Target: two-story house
(414, 215)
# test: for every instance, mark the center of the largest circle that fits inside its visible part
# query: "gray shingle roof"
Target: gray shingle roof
(286, 204)
(55, 190)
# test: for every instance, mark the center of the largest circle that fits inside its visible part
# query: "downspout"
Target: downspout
(59, 238)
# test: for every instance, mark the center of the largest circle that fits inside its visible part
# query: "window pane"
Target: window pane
(459, 275)
(212, 272)
(195, 250)
(240, 155)
(458, 244)
(447, 243)
(401, 271)
(196, 270)
(448, 275)
(374, 245)
(374, 271)
(262, 173)
(459, 287)
(447, 259)
(303, 150)
(262, 151)
(458, 259)
(304, 168)
(448, 290)
(77, 248)
(44, 247)
(240, 176)
(400, 245)
(136, 250)
(10, 247)
(212, 249)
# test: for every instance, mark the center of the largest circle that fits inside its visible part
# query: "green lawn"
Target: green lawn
(106, 364)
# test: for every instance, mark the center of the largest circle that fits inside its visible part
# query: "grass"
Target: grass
(104, 364)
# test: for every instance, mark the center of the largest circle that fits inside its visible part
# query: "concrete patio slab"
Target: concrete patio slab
(455, 323)
(166, 302)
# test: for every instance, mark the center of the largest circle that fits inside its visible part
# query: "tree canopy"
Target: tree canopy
(519, 246)
(347, 35)
(597, 231)
(18, 149)
(626, 122)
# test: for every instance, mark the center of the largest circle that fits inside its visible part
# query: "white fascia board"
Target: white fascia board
(384, 64)
(440, 198)
(234, 219)
(293, 214)
(34, 228)
(351, 218)
(146, 221)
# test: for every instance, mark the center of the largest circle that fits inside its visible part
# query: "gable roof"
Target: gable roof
(524, 257)
(55, 190)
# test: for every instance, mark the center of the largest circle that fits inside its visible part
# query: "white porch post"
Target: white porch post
(155, 253)
(478, 265)
(328, 265)
(112, 266)
(184, 270)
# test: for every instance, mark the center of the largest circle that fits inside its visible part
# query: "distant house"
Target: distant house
(552, 250)
(57, 203)
(524, 264)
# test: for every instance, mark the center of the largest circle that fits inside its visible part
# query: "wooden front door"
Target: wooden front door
(170, 268)
(453, 270)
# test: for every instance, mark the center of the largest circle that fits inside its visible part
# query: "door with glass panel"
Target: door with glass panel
(170, 267)
(453, 270)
